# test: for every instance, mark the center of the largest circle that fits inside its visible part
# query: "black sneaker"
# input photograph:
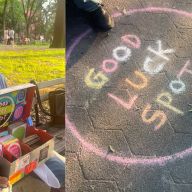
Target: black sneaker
(101, 19)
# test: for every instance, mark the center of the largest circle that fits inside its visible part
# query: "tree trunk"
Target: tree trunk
(27, 29)
(59, 31)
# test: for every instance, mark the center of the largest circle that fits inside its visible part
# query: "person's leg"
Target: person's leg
(97, 15)
(52, 172)
(88, 5)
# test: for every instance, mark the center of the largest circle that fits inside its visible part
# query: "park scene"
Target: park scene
(31, 40)
(32, 95)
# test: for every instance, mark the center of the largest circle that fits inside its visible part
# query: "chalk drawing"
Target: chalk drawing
(122, 53)
(155, 10)
(151, 67)
(141, 85)
(156, 115)
(109, 66)
(132, 41)
(152, 161)
(160, 52)
(76, 42)
(117, 14)
(185, 69)
(95, 81)
(128, 105)
(177, 86)
(165, 99)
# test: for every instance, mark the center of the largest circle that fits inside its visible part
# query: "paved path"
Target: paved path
(129, 125)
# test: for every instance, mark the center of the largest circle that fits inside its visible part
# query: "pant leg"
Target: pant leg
(88, 5)
(52, 172)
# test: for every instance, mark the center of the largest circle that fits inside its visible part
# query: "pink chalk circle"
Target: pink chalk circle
(106, 67)
(155, 10)
(144, 161)
(160, 161)
(132, 41)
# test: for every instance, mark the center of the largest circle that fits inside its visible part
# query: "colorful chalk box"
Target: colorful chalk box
(22, 146)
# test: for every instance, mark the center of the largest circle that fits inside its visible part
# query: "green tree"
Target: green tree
(14, 16)
(11, 15)
(28, 17)
(30, 11)
(48, 15)
(3, 10)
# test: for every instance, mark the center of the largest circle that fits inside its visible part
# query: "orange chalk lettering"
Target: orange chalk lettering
(142, 85)
(157, 115)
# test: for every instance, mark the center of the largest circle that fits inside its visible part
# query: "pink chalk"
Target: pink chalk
(106, 68)
(117, 14)
(152, 161)
(185, 69)
(159, 10)
(127, 105)
(132, 40)
(155, 10)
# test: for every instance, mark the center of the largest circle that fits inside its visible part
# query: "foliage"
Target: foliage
(20, 65)
(14, 16)
(29, 17)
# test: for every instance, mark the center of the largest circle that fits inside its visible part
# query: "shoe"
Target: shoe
(101, 19)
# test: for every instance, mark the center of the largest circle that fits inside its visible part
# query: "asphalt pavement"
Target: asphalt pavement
(129, 99)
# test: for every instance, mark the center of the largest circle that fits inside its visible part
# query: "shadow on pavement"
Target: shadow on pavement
(80, 35)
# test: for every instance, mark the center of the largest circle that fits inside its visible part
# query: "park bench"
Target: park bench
(56, 130)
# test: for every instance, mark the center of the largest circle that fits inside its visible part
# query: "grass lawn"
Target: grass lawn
(24, 63)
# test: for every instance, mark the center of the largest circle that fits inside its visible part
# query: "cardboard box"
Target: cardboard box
(15, 108)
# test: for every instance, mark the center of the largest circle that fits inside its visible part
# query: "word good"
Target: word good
(120, 54)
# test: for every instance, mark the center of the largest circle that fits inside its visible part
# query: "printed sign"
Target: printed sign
(43, 153)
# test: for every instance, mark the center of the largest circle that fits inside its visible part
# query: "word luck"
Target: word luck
(152, 66)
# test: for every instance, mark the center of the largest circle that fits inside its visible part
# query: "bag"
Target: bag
(57, 106)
